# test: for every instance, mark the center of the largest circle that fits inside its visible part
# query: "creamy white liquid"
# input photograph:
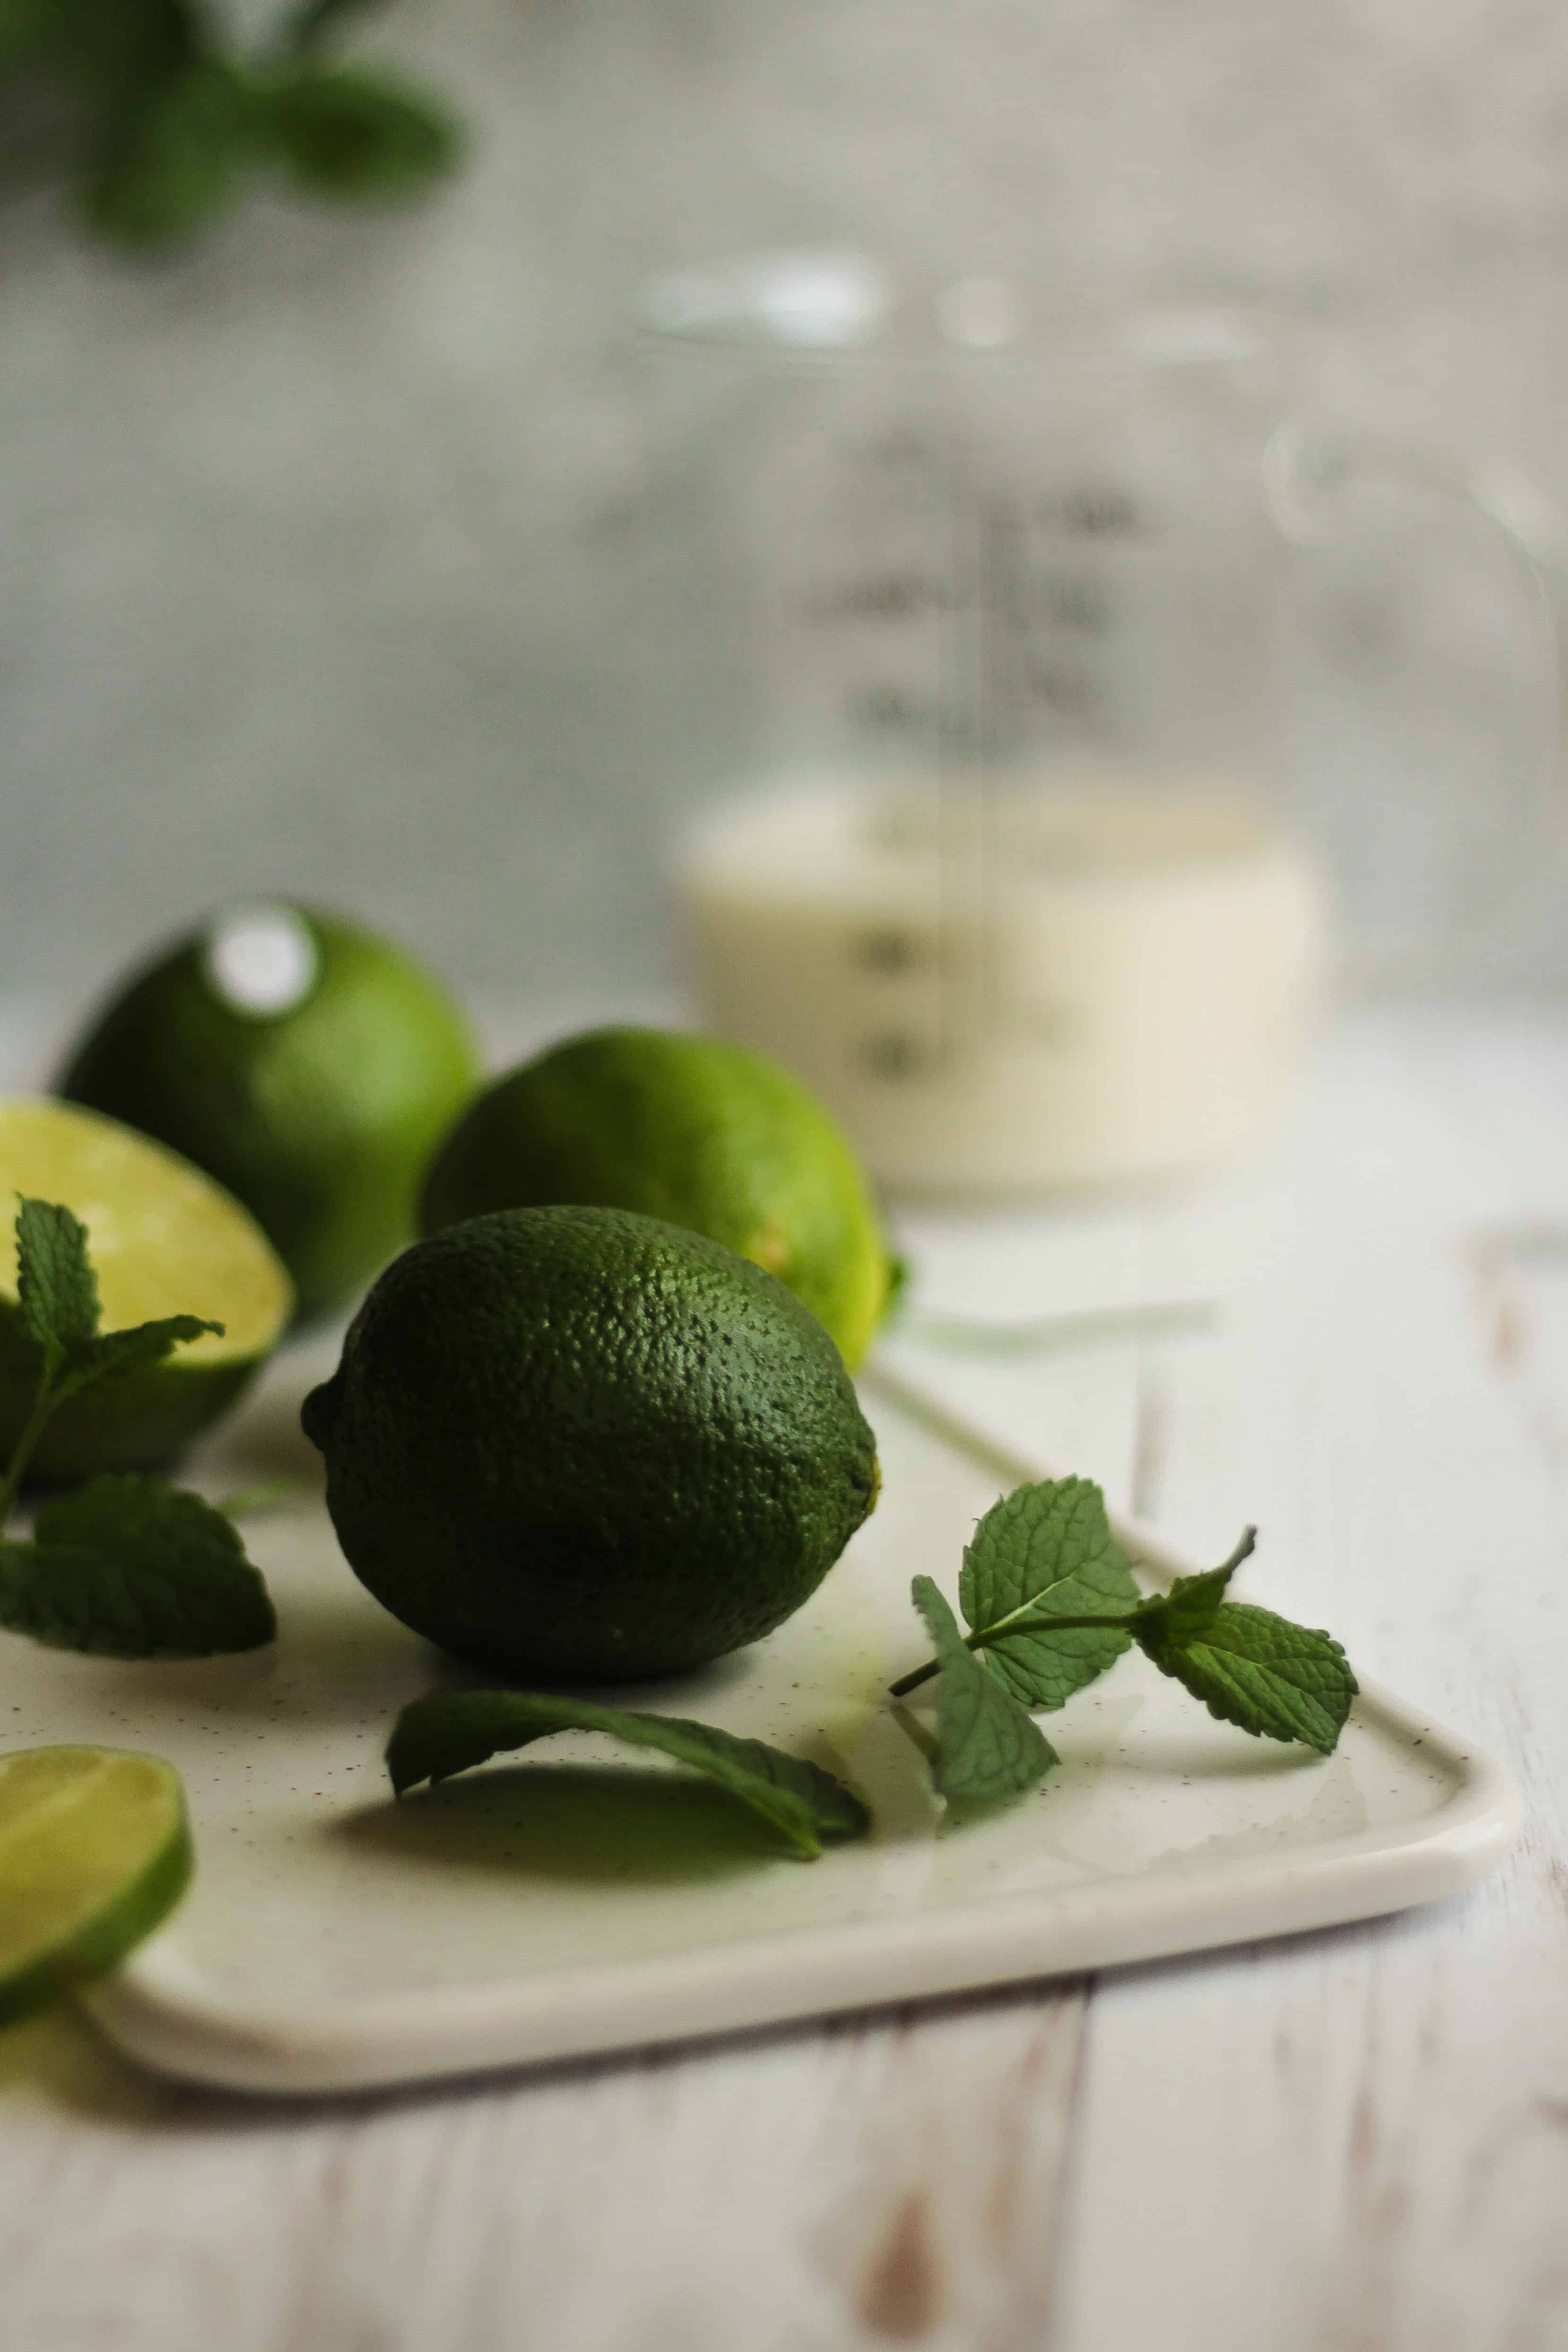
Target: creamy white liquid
(1002, 991)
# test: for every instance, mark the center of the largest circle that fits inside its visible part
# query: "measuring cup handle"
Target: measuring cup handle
(1310, 466)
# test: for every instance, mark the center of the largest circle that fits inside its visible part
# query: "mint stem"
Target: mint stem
(1242, 1549)
(43, 1406)
(1246, 1544)
(907, 1683)
(912, 1728)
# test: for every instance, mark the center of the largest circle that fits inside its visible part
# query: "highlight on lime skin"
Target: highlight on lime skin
(310, 1066)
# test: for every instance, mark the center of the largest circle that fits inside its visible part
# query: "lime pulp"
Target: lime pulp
(95, 1851)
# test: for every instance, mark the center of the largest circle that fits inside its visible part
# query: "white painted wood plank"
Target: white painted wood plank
(1362, 2139)
(893, 2181)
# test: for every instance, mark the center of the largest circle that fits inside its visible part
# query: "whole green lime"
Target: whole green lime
(163, 1240)
(703, 1134)
(310, 1066)
(583, 1445)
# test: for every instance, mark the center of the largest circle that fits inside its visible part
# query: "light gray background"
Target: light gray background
(324, 552)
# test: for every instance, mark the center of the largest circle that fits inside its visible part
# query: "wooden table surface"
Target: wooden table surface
(1343, 2141)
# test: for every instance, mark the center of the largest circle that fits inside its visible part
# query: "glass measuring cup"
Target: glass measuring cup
(1008, 868)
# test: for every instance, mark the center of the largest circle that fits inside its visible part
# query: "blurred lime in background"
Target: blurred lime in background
(694, 1130)
(310, 1066)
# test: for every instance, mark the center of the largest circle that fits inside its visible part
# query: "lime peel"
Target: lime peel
(95, 1851)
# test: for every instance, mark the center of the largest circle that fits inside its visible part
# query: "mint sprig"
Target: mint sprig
(130, 1565)
(988, 1745)
(57, 1298)
(450, 1732)
(1249, 1667)
(173, 121)
(57, 1290)
(1037, 1558)
(1043, 1554)
(1046, 1592)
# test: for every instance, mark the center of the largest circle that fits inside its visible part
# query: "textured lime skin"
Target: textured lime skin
(705, 1134)
(577, 1444)
(321, 1120)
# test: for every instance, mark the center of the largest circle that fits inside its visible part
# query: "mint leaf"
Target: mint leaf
(57, 1290)
(171, 164)
(361, 136)
(987, 1748)
(1249, 1667)
(128, 1351)
(1046, 1550)
(449, 1731)
(133, 1567)
(1186, 1612)
(113, 47)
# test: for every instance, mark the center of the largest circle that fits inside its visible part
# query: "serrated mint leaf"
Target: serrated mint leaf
(1187, 1610)
(57, 1290)
(128, 1351)
(1276, 1680)
(131, 1567)
(449, 1731)
(1046, 1550)
(987, 1747)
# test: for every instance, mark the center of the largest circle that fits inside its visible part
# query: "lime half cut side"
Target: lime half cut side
(95, 1851)
(164, 1239)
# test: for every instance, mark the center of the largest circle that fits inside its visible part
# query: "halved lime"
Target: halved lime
(95, 1849)
(164, 1240)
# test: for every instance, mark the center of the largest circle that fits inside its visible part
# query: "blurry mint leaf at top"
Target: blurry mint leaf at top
(57, 1290)
(117, 50)
(1046, 1550)
(362, 137)
(1273, 1678)
(987, 1747)
(170, 169)
(131, 1567)
(173, 118)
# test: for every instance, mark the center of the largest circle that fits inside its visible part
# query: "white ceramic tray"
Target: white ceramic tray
(575, 1902)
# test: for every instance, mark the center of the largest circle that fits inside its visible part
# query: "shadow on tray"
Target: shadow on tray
(608, 1824)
